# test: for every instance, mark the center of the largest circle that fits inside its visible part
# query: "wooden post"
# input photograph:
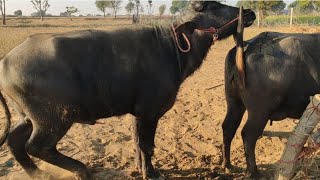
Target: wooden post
(291, 17)
(308, 121)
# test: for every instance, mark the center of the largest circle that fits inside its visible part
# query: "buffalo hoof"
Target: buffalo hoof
(228, 169)
(253, 176)
(155, 176)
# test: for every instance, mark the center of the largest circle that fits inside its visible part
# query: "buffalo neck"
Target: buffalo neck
(186, 62)
(190, 61)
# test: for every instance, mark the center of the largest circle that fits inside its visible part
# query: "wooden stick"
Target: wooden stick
(213, 87)
(296, 141)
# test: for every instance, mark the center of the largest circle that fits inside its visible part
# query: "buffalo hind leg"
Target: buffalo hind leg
(235, 111)
(17, 140)
(42, 144)
(251, 131)
(146, 129)
(135, 137)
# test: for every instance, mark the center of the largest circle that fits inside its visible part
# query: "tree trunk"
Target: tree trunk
(41, 14)
(4, 13)
(137, 11)
(104, 14)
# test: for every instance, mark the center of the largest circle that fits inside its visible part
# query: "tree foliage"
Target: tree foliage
(41, 6)
(18, 13)
(149, 6)
(37, 14)
(71, 10)
(138, 7)
(115, 5)
(130, 7)
(162, 8)
(173, 10)
(305, 6)
(264, 7)
(102, 6)
(178, 6)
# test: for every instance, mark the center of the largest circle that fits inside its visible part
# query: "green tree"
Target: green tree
(149, 6)
(277, 6)
(115, 5)
(263, 6)
(64, 14)
(3, 11)
(162, 8)
(37, 14)
(71, 10)
(173, 10)
(18, 13)
(178, 6)
(102, 6)
(41, 6)
(138, 7)
(305, 6)
(130, 7)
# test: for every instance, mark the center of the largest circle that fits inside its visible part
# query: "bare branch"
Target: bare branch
(45, 5)
(35, 4)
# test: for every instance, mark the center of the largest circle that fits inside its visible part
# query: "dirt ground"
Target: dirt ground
(188, 140)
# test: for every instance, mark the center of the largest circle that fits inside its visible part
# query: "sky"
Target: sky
(86, 6)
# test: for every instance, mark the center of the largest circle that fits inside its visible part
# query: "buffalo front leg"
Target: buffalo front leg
(230, 125)
(146, 129)
(251, 131)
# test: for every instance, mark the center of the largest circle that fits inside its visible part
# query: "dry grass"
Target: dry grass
(18, 29)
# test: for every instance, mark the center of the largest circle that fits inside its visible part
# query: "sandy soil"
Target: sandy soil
(188, 139)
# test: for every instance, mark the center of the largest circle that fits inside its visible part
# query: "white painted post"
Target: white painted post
(308, 121)
(291, 16)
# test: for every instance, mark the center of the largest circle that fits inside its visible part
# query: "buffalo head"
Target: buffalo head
(211, 14)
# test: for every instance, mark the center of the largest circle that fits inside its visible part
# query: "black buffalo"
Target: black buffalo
(282, 71)
(55, 80)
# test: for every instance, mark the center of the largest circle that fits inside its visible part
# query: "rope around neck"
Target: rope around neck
(177, 41)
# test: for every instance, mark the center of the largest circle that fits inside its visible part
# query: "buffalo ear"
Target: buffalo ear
(187, 27)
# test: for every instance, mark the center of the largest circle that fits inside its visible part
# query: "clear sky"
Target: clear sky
(85, 6)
